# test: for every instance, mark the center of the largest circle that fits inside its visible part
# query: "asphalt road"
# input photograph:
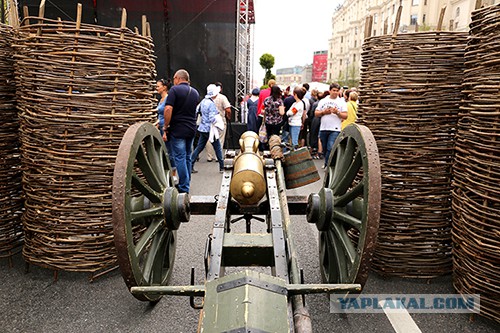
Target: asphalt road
(34, 302)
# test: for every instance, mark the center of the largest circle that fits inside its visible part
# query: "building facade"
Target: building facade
(307, 73)
(349, 20)
(289, 75)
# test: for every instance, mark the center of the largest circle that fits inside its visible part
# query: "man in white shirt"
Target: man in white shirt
(332, 110)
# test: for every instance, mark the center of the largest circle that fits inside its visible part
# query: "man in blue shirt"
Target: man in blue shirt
(180, 125)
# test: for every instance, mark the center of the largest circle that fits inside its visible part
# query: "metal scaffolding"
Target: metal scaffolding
(244, 46)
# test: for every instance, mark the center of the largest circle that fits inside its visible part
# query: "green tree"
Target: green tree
(350, 79)
(266, 61)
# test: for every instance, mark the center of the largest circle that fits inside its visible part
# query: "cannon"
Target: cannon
(147, 211)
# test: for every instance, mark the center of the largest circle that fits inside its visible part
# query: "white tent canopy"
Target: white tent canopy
(319, 86)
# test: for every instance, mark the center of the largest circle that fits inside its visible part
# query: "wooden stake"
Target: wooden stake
(398, 20)
(26, 14)
(144, 21)
(13, 15)
(41, 9)
(441, 17)
(41, 14)
(123, 23)
(73, 57)
(123, 26)
(368, 26)
(394, 35)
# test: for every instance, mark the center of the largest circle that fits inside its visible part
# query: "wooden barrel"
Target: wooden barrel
(299, 168)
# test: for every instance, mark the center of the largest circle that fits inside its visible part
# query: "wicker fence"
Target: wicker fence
(79, 87)
(10, 171)
(411, 88)
(476, 192)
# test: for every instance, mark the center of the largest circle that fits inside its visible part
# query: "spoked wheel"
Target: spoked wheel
(347, 208)
(147, 209)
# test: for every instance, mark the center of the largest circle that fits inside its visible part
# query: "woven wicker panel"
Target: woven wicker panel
(411, 90)
(78, 91)
(476, 191)
(10, 171)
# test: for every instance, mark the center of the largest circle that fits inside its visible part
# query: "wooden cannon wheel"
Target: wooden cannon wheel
(147, 209)
(347, 208)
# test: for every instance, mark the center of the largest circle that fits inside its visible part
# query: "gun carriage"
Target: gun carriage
(147, 211)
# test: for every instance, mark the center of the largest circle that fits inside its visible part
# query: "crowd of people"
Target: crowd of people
(301, 117)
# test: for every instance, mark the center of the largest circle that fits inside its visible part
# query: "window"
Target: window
(375, 18)
(457, 12)
(340, 62)
(374, 32)
(423, 18)
(341, 39)
(393, 9)
(413, 19)
(355, 43)
(353, 58)
(355, 30)
(415, 2)
(425, 2)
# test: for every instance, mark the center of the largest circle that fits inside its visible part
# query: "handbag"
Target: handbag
(263, 132)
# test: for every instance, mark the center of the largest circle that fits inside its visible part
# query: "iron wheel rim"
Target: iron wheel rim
(145, 259)
(356, 206)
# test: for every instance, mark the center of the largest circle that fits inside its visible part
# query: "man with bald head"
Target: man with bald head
(180, 125)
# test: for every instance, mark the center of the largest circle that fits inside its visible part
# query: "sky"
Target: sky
(291, 30)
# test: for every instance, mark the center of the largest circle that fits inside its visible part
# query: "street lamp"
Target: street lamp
(346, 69)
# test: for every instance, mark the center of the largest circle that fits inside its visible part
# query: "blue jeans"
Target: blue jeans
(182, 149)
(168, 145)
(202, 142)
(294, 133)
(327, 140)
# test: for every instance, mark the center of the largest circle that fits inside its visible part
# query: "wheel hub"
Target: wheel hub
(175, 208)
(320, 209)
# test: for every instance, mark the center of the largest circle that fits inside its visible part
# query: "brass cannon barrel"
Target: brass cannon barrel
(248, 184)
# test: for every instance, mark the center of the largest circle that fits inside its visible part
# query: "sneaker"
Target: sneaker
(323, 167)
(193, 170)
(221, 170)
(209, 160)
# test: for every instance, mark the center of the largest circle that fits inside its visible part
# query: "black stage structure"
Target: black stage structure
(197, 35)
